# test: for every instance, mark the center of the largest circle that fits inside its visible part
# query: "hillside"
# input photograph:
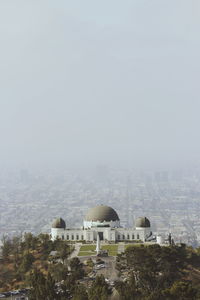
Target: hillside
(151, 272)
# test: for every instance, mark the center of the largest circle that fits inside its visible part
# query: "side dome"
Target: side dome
(102, 213)
(142, 222)
(59, 223)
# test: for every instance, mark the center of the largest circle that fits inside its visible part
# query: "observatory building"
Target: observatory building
(104, 222)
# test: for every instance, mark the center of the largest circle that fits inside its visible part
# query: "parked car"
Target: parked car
(7, 294)
(15, 292)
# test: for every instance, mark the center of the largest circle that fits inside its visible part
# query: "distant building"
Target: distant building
(103, 221)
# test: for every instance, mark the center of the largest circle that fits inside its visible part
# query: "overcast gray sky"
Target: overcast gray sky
(89, 82)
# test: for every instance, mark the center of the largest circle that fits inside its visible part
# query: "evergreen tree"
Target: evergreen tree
(6, 248)
(128, 290)
(59, 271)
(99, 290)
(27, 262)
(80, 293)
(63, 251)
(46, 245)
(76, 268)
(30, 242)
(37, 282)
(181, 290)
(50, 288)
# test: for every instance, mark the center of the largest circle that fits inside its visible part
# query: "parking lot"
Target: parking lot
(107, 268)
(15, 295)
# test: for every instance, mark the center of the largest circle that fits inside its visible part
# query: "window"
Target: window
(77, 237)
(67, 236)
(72, 237)
(63, 237)
(118, 237)
(138, 237)
(123, 237)
(133, 237)
(128, 237)
(82, 237)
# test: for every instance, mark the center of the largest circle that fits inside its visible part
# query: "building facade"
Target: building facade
(103, 221)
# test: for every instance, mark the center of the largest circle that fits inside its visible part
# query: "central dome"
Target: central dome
(102, 213)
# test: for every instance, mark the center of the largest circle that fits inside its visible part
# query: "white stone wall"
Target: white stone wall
(146, 231)
(109, 234)
(130, 234)
(74, 234)
(67, 234)
(56, 232)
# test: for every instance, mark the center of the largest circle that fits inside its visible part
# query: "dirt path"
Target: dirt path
(76, 250)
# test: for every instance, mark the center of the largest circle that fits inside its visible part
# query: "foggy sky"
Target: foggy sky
(88, 82)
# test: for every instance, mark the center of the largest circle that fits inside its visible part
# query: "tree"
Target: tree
(59, 271)
(181, 290)
(99, 290)
(16, 251)
(90, 263)
(63, 251)
(76, 268)
(154, 268)
(27, 262)
(46, 245)
(80, 293)
(30, 242)
(128, 290)
(41, 287)
(6, 248)
(37, 283)
(50, 288)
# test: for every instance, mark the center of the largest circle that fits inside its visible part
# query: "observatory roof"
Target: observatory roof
(102, 213)
(142, 222)
(59, 223)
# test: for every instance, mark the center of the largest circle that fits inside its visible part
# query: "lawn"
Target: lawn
(87, 250)
(135, 245)
(112, 249)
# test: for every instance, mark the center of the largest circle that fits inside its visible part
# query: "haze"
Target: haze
(89, 82)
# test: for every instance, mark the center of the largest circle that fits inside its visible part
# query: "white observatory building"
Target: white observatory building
(104, 221)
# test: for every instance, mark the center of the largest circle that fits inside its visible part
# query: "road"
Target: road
(109, 271)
